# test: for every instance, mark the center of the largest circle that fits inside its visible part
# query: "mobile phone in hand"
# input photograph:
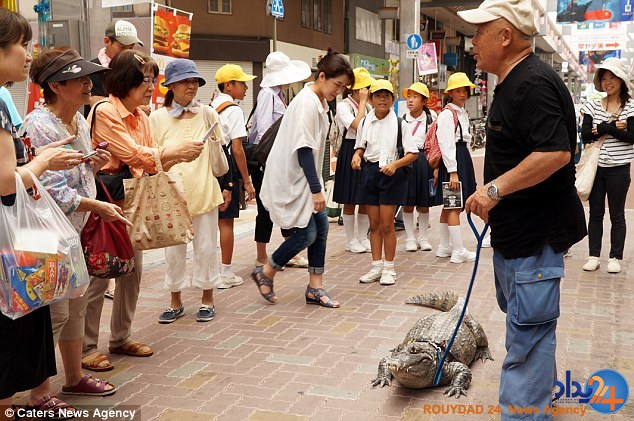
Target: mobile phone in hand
(89, 155)
(209, 132)
(102, 145)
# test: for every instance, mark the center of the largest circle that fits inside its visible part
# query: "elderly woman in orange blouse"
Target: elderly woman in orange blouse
(120, 122)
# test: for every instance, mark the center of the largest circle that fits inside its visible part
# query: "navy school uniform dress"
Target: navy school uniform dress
(419, 182)
(347, 180)
(461, 137)
(379, 144)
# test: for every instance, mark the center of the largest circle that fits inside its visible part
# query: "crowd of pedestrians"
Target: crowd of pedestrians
(382, 165)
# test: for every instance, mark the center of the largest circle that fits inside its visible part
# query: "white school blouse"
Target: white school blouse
(231, 119)
(421, 129)
(378, 133)
(448, 134)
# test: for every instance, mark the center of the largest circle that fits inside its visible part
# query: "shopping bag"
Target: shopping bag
(157, 207)
(106, 245)
(217, 157)
(587, 169)
(41, 260)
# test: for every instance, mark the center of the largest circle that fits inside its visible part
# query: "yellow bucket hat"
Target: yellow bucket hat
(418, 87)
(458, 80)
(381, 84)
(230, 72)
(362, 78)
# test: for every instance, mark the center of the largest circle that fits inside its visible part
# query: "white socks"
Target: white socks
(225, 269)
(408, 222)
(455, 234)
(443, 230)
(348, 226)
(387, 265)
(363, 222)
(423, 223)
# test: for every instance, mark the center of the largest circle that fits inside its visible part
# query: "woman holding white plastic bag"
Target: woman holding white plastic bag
(27, 353)
(184, 119)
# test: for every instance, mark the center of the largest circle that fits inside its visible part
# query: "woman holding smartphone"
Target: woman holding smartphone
(73, 189)
(183, 119)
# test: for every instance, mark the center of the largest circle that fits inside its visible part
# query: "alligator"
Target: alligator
(413, 362)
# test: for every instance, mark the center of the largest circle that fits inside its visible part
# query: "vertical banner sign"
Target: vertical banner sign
(427, 61)
(171, 36)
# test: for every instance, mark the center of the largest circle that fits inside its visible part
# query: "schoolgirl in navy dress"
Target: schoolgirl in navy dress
(419, 190)
(350, 111)
(456, 166)
(383, 178)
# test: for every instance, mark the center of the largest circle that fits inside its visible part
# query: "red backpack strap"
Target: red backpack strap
(455, 121)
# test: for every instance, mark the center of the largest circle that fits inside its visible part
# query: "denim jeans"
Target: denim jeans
(313, 236)
(613, 182)
(527, 291)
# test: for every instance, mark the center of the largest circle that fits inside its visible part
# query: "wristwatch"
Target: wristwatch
(493, 193)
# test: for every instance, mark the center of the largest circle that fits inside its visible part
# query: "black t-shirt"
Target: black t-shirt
(532, 111)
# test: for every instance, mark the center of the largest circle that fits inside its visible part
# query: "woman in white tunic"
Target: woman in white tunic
(292, 189)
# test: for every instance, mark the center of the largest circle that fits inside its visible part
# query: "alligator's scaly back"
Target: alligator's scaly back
(443, 301)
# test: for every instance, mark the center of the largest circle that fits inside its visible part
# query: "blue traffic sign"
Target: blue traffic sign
(277, 9)
(414, 41)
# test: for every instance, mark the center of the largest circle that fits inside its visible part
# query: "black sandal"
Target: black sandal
(261, 280)
(318, 293)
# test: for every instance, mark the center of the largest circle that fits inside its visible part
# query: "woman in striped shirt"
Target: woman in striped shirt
(610, 120)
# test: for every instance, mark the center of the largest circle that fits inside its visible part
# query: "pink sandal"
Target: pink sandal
(89, 387)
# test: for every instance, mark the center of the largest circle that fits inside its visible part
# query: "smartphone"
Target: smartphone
(210, 132)
(89, 155)
(102, 145)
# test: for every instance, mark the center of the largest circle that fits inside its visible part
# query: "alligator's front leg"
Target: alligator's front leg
(459, 377)
(383, 376)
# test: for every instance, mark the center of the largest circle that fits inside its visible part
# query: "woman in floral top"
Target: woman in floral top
(63, 76)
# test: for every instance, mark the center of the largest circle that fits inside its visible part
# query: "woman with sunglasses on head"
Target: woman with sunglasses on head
(121, 122)
(27, 350)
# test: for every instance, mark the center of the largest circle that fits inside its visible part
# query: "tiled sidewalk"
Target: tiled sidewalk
(293, 361)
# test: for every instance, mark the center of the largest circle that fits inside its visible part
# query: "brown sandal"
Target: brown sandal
(132, 349)
(94, 363)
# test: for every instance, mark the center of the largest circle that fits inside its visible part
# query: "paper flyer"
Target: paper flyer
(427, 61)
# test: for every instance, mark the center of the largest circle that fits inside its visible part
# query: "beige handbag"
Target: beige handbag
(587, 169)
(217, 156)
(157, 206)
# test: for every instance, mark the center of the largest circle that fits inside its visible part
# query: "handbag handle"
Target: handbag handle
(157, 160)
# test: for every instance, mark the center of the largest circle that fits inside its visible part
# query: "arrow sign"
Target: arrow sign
(615, 45)
(277, 9)
(414, 41)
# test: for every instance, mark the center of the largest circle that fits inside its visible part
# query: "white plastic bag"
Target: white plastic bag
(587, 169)
(41, 260)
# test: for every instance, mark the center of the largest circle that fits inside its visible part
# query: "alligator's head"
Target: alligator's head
(414, 364)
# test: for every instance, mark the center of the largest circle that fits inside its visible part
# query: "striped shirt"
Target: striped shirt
(613, 151)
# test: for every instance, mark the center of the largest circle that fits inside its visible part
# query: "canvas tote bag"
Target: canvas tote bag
(157, 207)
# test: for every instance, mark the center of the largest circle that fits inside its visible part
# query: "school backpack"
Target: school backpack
(248, 148)
(431, 148)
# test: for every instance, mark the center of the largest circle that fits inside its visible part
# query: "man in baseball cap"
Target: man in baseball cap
(529, 197)
(120, 35)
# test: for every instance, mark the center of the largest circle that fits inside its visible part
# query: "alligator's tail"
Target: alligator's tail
(443, 301)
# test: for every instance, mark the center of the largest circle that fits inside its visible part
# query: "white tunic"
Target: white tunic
(285, 191)
(448, 134)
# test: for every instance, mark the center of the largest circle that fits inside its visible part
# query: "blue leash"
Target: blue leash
(480, 237)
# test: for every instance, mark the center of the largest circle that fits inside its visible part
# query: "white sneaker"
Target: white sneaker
(592, 264)
(424, 244)
(388, 277)
(372, 276)
(462, 256)
(365, 242)
(614, 266)
(301, 262)
(411, 245)
(229, 280)
(444, 251)
(354, 246)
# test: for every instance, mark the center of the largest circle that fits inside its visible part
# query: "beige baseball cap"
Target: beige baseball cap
(518, 12)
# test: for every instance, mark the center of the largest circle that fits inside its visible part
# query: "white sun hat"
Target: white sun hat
(281, 70)
(617, 67)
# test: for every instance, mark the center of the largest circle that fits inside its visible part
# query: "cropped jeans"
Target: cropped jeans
(527, 290)
(613, 182)
(313, 236)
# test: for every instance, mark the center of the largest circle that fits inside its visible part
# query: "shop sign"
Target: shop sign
(376, 66)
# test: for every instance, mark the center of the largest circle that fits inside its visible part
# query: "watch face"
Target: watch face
(492, 192)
